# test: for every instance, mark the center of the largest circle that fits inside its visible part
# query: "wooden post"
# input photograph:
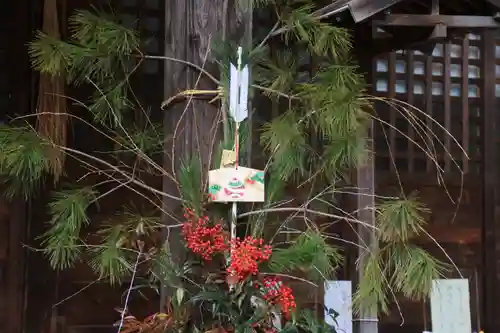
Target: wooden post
(367, 322)
(490, 290)
(190, 127)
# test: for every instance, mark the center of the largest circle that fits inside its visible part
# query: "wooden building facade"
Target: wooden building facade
(447, 67)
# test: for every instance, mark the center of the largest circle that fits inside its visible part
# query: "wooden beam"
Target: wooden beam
(450, 21)
(404, 41)
(368, 243)
(363, 9)
(491, 291)
(495, 3)
(366, 321)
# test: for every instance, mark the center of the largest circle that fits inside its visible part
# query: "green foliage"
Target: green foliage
(141, 141)
(24, 161)
(413, 270)
(68, 211)
(399, 220)
(100, 53)
(319, 131)
(309, 253)
(190, 183)
(399, 264)
(372, 293)
(112, 258)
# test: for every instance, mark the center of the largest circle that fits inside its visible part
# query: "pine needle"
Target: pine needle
(309, 253)
(68, 211)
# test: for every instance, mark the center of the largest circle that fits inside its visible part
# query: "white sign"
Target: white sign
(238, 90)
(338, 297)
(450, 306)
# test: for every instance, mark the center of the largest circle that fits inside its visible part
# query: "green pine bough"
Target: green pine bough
(313, 136)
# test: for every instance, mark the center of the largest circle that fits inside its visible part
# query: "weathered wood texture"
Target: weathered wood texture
(455, 86)
(456, 227)
(74, 301)
(489, 151)
(15, 84)
(192, 128)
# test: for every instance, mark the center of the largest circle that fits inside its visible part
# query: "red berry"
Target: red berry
(202, 239)
(246, 255)
(276, 293)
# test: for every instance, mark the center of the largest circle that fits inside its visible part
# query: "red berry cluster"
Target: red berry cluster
(246, 255)
(203, 239)
(275, 292)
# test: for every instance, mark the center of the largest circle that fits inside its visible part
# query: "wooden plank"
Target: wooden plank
(451, 21)
(491, 292)
(411, 100)
(392, 113)
(450, 234)
(15, 268)
(465, 103)
(367, 321)
(429, 179)
(428, 109)
(447, 106)
(363, 9)
(190, 29)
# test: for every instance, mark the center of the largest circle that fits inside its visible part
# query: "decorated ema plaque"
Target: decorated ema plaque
(236, 185)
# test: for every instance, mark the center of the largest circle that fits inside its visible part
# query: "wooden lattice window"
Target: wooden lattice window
(497, 80)
(445, 86)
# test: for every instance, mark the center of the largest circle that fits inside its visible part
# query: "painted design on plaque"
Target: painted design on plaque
(236, 185)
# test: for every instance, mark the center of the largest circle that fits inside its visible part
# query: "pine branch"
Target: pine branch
(68, 210)
(309, 253)
(24, 161)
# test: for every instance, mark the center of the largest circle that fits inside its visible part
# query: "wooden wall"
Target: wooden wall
(449, 86)
(452, 86)
(15, 99)
(76, 301)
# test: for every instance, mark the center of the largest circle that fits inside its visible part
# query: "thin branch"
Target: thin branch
(199, 68)
(305, 210)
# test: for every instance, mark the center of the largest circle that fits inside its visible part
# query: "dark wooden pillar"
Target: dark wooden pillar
(367, 321)
(191, 127)
(16, 31)
(491, 289)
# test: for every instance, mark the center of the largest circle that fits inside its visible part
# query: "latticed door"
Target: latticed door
(437, 151)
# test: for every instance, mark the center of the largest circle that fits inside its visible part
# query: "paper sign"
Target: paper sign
(450, 306)
(338, 297)
(228, 158)
(236, 185)
(238, 93)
